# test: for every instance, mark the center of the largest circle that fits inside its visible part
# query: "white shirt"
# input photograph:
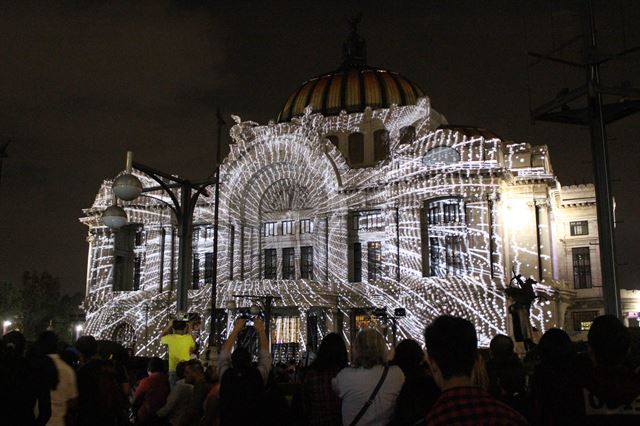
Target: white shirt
(66, 390)
(355, 385)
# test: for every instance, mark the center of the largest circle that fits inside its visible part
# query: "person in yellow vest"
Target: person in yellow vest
(180, 345)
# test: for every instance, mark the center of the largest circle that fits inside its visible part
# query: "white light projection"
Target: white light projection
(289, 171)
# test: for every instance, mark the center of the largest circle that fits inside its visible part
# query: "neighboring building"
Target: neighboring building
(361, 196)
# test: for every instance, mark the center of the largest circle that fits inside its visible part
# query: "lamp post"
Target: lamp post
(5, 326)
(128, 187)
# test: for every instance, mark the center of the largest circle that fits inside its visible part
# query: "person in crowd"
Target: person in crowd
(241, 384)
(180, 345)
(369, 388)
(507, 377)
(611, 392)
(100, 398)
(320, 405)
(25, 382)
(151, 394)
(194, 375)
(212, 402)
(64, 396)
(419, 391)
(451, 344)
(178, 399)
(554, 390)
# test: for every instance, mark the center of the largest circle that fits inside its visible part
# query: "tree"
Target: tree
(37, 304)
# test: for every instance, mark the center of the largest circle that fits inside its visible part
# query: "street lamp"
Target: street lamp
(78, 330)
(128, 187)
(5, 326)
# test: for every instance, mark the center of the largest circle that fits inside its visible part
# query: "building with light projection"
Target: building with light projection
(360, 196)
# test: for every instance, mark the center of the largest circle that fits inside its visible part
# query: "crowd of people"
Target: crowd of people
(448, 381)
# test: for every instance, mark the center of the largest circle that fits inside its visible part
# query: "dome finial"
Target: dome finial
(354, 50)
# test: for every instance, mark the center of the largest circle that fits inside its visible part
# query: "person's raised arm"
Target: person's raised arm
(167, 329)
(264, 357)
(224, 360)
(238, 326)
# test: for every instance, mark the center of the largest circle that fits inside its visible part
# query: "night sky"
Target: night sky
(83, 81)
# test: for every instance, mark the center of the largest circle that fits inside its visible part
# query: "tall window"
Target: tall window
(288, 264)
(380, 145)
(368, 221)
(232, 239)
(269, 229)
(208, 268)
(195, 282)
(356, 148)
(374, 261)
(454, 259)
(434, 256)
(306, 226)
(137, 272)
(357, 262)
(581, 267)
(123, 258)
(139, 237)
(306, 262)
(579, 228)
(287, 227)
(270, 264)
(450, 212)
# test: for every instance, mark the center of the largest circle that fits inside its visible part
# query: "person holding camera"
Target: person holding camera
(180, 344)
(242, 385)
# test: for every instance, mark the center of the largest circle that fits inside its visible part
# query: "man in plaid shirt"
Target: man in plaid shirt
(451, 351)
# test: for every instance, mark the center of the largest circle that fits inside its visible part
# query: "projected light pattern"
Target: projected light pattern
(490, 213)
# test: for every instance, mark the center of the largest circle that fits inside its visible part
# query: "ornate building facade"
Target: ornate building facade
(360, 196)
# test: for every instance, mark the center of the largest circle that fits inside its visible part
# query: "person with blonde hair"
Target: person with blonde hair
(369, 387)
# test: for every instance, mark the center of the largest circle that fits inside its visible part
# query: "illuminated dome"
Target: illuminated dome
(352, 87)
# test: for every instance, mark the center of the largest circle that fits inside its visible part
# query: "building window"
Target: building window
(208, 268)
(440, 156)
(356, 148)
(123, 258)
(368, 221)
(270, 264)
(306, 262)
(232, 240)
(579, 228)
(454, 255)
(380, 145)
(306, 226)
(196, 272)
(374, 261)
(582, 320)
(357, 262)
(434, 256)
(450, 212)
(137, 272)
(139, 237)
(269, 229)
(434, 214)
(288, 264)
(581, 267)
(407, 135)
(287, 227)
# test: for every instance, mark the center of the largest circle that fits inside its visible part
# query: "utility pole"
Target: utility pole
(596, 115)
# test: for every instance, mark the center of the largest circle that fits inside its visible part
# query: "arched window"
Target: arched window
(356, 148)
(441, 156)
(407, 135)
(380, 145)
